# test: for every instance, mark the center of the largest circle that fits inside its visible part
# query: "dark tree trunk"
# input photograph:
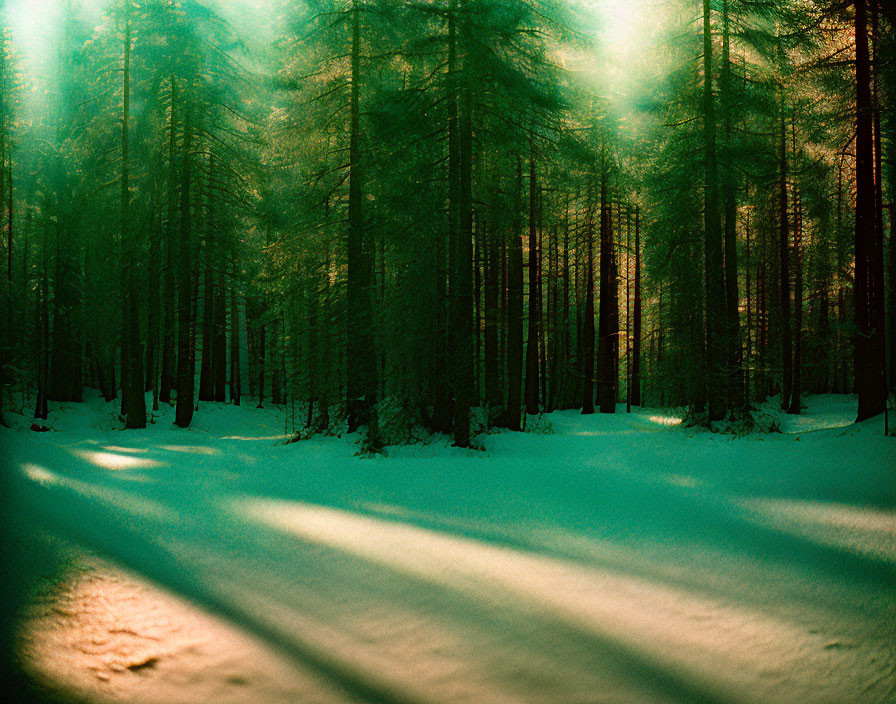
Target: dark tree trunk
(614, 309)
(732, 297)
(515, 313)
(587, 328)
(235, 377)
(892, 258)
(532, 371)
(185, 341)
(441, 390)
(869, 285)
(40, 408)
(362, 383)
(219, 334)
(784, 249)
(136, 402)
(566, 346)
(261, 361)
(168, 380)
(6, 189)
(251, 343)
(492, 321)
(749, 331)
(152, 325)
(65, 362)
(464, 318)
(606, 387)
(636, 342)
(207, 363)
(794, 408)
(275, 354)
(716, 345)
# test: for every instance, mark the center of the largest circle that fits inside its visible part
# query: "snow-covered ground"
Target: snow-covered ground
(608, 559)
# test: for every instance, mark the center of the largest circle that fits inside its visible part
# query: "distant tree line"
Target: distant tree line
(412, 215)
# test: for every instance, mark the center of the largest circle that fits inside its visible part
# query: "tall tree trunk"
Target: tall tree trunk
(716, 346)
(892, 257)
(492, 321)
(168, 380)
(606, 388)
(532, 371)
(587, 328)
(185, 341)
(879, 198)
(549, 331)
(869, 285)
(40, 406)
(65, 363)
(361, 384)
(453, 210)
(152, 324)
(794, 408)
(207, 362)
(628, 311)
(261, 361)
(219, 335)
(136, 402)
(275, 354)
(6, 198)
(566, 345)
(636, 342)
(734, 366)
(614, 305)
(784, 249)
(464, 318)
(152, 334)
(515, 312)
(235, 377)
(441, 391)
(749, 330)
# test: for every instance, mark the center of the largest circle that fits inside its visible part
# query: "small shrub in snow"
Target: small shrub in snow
(696, 419)
(539, 425)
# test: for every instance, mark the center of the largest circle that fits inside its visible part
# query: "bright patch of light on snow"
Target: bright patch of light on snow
(664, 621)
(39, 474)
(191, 449)
(130, 636)
(116, 462)
(255, 437)
(665, 420)
(123, 500)
(867, 531)
(116, 448)
(683, 481)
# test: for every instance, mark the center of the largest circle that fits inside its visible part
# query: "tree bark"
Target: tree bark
(606, 389)
(868, 292)
(361, 384)
(636, 342)
(168, 380)
(136, 402)
(716, 338)
(185, 342)
(515, 312)
(235, 377)
(735, 353)
(784, 250)
(587, 328)
(464, 318)
(532, 371)
(794, 408)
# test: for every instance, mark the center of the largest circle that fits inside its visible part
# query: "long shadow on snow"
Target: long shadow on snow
(132, 540)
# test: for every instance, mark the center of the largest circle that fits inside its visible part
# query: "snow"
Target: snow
(622, 558)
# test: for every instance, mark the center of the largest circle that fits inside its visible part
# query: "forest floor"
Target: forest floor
(617, 559)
